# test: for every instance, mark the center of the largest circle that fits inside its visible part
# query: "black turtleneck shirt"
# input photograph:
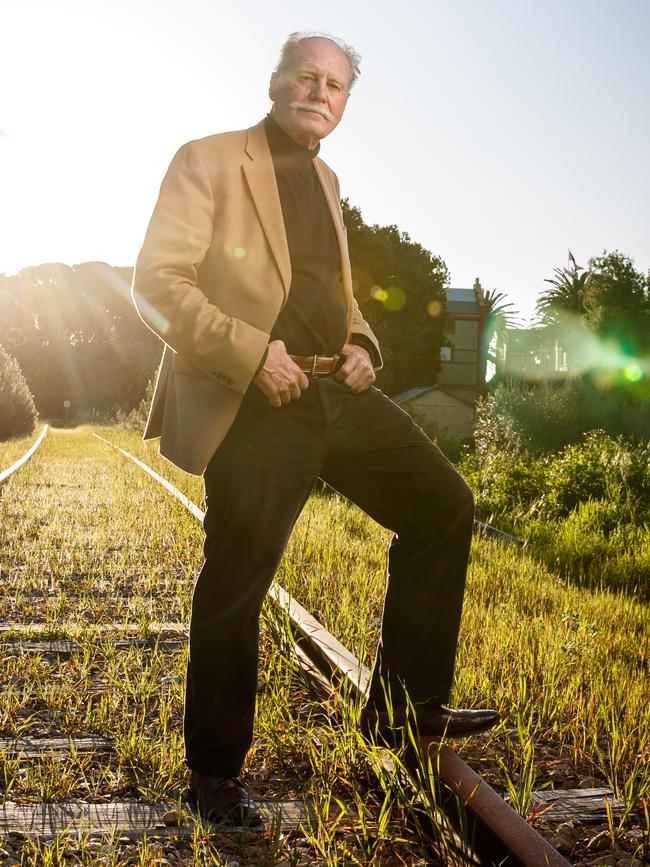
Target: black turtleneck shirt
(314, 319)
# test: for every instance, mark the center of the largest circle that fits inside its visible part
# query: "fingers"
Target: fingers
(357, 372)
(281, 379)
(303, 379)
(292, 389)
(281, 391)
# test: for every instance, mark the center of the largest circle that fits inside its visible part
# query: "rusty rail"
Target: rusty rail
(496, 834)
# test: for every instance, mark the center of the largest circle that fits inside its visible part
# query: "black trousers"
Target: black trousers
(256, 484)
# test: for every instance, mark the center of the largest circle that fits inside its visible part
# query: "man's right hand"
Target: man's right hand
(280, 379)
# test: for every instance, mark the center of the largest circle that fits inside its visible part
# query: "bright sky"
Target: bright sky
(496, 134)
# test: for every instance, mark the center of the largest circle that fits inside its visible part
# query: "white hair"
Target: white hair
(289, 50)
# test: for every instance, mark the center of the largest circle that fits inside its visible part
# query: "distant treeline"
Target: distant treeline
(77, 336)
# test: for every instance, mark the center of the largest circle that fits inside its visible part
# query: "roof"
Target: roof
(405, 396)
(462, 301)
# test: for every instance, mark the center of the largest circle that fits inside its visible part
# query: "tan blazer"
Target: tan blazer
(211, 278)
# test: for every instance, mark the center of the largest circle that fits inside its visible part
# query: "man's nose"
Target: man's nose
(319, 89)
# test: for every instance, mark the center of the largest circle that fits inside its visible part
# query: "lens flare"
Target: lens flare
(572, 350)
(633, 372)
(396, 298)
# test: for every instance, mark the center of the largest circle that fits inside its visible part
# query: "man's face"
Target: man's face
(309, 98)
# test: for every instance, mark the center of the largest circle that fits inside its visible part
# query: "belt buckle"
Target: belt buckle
(313, 365)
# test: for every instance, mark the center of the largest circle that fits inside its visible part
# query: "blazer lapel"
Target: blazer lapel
(260, 176)
(339, 228)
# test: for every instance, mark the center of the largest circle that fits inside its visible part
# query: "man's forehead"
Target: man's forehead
(315, 66)
(315, 52)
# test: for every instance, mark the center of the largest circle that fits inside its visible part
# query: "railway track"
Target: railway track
(487, 830)
(495, 833)
(6, 474)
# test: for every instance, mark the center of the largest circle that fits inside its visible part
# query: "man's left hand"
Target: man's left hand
(357, 372)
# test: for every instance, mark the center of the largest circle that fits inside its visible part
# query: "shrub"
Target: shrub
(516, 485)
(598, 468)
(541, 418)
(583, 508)
(17, 410)
(507, 487)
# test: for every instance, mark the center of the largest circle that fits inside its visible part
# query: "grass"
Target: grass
(92, 546)
(567, 667)
(593, 555)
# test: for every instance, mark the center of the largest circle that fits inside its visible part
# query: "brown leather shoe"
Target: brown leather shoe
(223, 799)
(431, 721)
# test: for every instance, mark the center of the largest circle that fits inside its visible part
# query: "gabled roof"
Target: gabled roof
(410, 393)
(462, 301)
(403, 396)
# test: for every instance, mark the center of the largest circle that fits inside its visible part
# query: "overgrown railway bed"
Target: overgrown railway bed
(96, 584)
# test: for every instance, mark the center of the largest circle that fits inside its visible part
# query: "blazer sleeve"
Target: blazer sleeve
(370, 347)
(165, 282)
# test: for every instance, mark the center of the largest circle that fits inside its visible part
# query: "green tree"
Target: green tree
(401, 290)
(17, 410)
(617, 304)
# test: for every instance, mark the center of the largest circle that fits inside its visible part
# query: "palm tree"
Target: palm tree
(566, 297)
(497, 314)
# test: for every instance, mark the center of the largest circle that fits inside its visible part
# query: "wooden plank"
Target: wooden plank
(21, 596)
(92, 630)
(586, 805)
(4, 475)
(31, 748)
(78, 817)
(61, 648)
(65, 647)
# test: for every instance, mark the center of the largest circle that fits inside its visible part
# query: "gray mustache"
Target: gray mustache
(308, 106)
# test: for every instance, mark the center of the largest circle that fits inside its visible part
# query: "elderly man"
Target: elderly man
(265, 385)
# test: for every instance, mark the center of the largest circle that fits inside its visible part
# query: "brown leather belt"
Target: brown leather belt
(316, 365)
